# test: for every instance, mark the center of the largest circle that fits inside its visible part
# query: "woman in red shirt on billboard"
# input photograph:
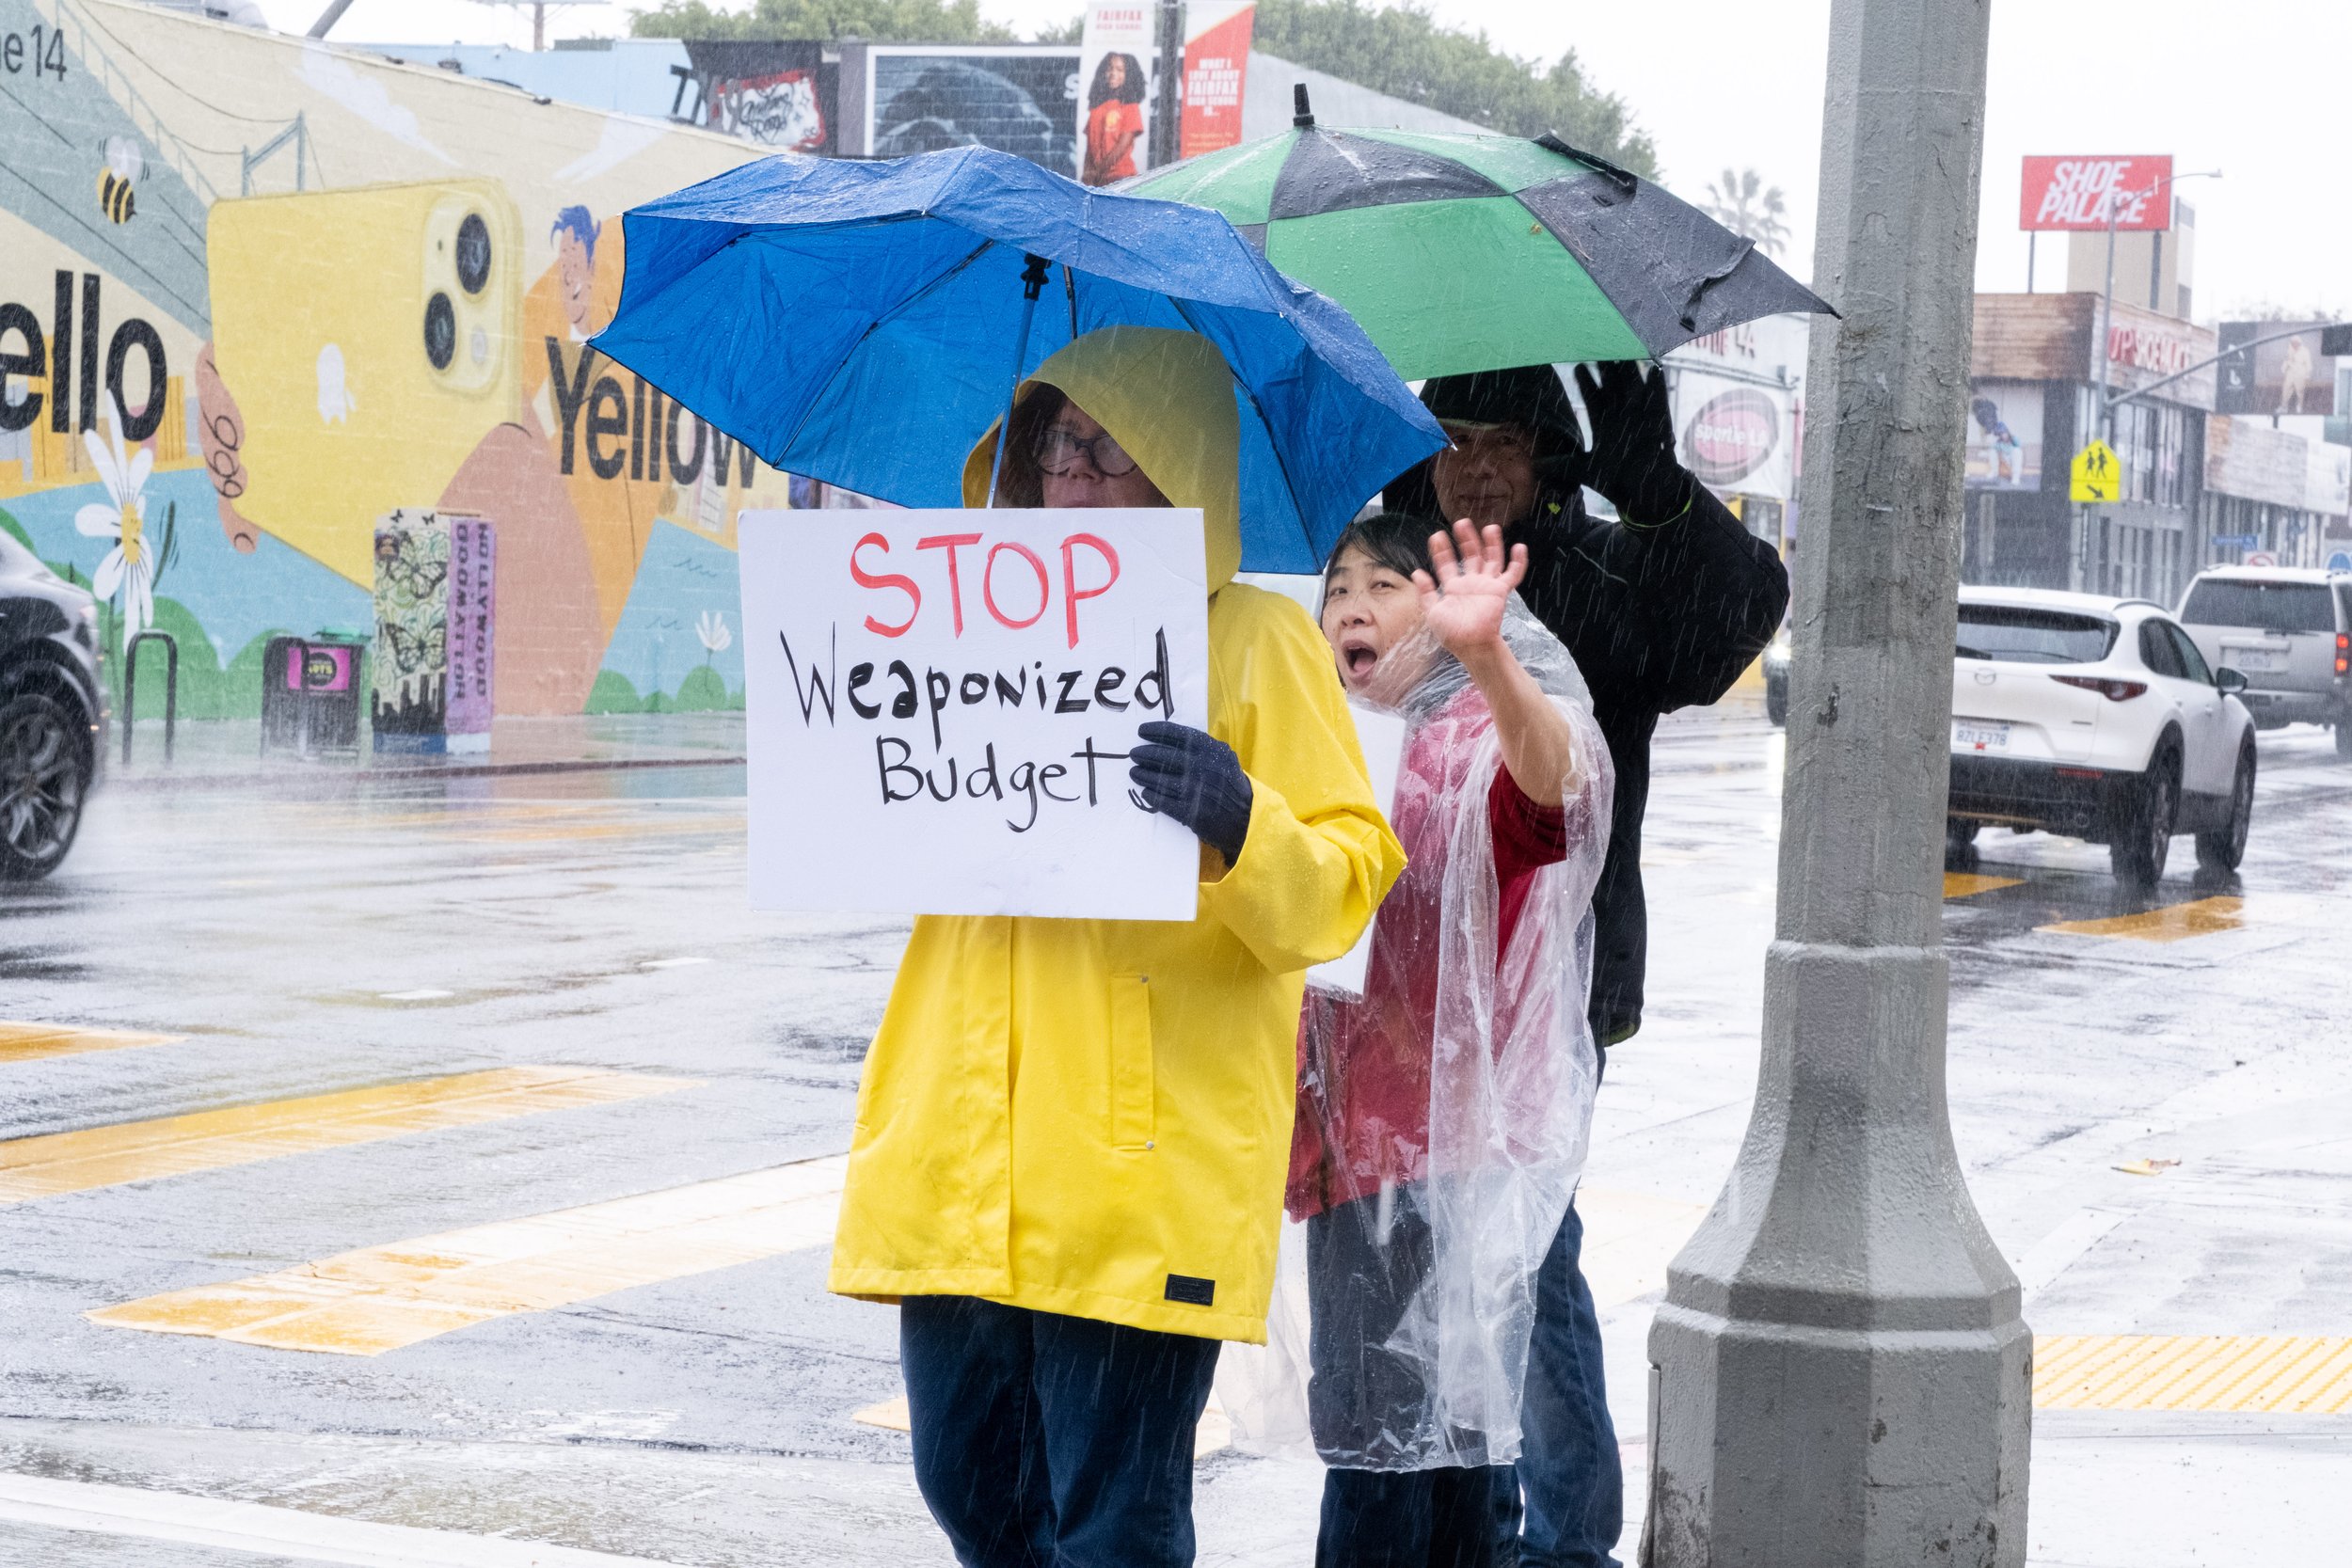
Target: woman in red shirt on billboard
(1114, 118)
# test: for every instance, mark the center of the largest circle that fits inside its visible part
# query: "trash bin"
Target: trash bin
(311, 694)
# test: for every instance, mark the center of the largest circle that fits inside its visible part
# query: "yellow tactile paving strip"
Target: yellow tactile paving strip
(2281, 1373)
(24, 1042)
(381, 1298)
(1967, 884)
(55, 1163)
(2174, 922)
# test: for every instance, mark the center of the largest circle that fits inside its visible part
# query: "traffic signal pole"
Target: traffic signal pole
(1841, 1378)
(2103, 400)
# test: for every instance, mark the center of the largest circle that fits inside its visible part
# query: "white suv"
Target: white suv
(2098, 719)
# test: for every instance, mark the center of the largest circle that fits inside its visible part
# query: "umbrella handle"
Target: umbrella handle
(1032, 285)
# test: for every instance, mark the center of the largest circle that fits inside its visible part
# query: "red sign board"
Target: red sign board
(2074, 193)
(1217, 57)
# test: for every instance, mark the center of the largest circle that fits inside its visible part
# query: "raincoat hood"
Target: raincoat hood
(1166, 397)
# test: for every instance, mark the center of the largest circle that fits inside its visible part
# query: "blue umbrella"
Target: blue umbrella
(863, 323)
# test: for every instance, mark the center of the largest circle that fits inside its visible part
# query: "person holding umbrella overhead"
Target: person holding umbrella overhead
(1072, 1134)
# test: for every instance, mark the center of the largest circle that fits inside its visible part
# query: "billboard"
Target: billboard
(2074, 193)
(1217, 64)
(241, 325)
(1021, 99)
(1735, 397)
(2288, 376)
(776, 92)
(1115, 61)
(2004, 436)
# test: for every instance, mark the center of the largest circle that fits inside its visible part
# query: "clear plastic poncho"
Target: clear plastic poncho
(1443, 1116)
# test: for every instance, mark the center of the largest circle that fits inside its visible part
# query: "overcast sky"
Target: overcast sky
(1739, 82)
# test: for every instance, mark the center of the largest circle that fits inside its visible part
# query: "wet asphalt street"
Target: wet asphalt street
(395, 1020)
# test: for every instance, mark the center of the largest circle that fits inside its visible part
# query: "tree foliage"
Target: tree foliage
(1742, 202)
(1402, 51)
(877, 21)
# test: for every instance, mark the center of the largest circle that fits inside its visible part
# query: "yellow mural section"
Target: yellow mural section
(316, 286)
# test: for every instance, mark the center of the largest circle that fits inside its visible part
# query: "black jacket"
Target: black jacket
(1658, 618)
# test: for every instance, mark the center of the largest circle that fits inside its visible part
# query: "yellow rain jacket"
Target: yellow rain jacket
(1093, 1117)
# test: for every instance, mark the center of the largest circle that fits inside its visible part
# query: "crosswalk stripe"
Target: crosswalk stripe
(24, 1042)
(2174, 921)
(381, 1298)
(54, 1162)
(93, 1509)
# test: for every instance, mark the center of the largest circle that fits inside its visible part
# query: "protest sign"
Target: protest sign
(1381, 737)
(940, 705)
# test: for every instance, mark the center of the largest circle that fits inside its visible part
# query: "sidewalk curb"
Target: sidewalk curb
(146, 782)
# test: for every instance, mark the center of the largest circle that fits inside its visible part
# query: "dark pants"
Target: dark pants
(1042, 1441)
(1409, 1518)
(1366, 1261)
(1571, 1488)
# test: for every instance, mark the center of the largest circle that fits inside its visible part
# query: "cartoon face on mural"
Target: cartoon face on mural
(383, 309)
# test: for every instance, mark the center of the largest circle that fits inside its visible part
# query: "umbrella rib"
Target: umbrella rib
(872, 327)
(1280, 462)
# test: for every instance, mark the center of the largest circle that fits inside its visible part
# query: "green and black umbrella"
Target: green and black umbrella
(1470, 253)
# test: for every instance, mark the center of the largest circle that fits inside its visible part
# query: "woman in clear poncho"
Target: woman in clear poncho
(1443, 1116)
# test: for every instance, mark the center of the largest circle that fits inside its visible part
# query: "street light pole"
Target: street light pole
(1166, 137)
(1840, 1377)
(2102, 408)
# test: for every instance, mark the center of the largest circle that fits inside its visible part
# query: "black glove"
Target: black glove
(1632, 461)
(1195, 778)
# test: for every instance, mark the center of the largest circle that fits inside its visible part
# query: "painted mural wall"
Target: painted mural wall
(257, 293)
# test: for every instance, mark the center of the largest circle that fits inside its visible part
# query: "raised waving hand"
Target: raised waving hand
(1463, 606)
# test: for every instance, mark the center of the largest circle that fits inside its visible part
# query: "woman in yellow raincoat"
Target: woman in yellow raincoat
(1072, 1135)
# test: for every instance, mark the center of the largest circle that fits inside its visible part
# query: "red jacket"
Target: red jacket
(1365, 1066)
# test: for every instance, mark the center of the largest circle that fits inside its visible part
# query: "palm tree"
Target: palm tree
(1743, 203)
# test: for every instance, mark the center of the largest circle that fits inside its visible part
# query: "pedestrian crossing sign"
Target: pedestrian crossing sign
(2096, 474)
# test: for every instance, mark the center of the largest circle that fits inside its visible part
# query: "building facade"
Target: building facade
(2197, 489)
(1739, 411)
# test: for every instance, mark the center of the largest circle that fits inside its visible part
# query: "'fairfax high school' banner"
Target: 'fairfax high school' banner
(1216, 61)
(940, 705)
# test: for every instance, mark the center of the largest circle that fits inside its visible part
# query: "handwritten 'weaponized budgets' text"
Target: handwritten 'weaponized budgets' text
(876, 690)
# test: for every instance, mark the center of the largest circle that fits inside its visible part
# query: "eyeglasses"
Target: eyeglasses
(1058, 448)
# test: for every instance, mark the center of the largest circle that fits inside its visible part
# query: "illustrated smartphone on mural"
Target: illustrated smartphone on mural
(368, 339)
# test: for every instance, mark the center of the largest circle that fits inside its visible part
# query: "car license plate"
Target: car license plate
(2243, 659)
(1970, 735)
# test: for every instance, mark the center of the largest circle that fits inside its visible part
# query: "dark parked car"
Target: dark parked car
(50, 712)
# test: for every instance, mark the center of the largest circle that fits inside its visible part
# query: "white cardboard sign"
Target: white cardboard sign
(940, 707)
(1381, 737)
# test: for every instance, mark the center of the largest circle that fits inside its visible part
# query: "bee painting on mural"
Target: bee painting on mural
(123, 166)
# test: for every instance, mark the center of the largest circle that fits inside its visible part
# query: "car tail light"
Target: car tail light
(2113, 690)
(2343, 654)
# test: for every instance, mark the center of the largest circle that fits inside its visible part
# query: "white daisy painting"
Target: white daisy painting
(127, 575)
(711, 627)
